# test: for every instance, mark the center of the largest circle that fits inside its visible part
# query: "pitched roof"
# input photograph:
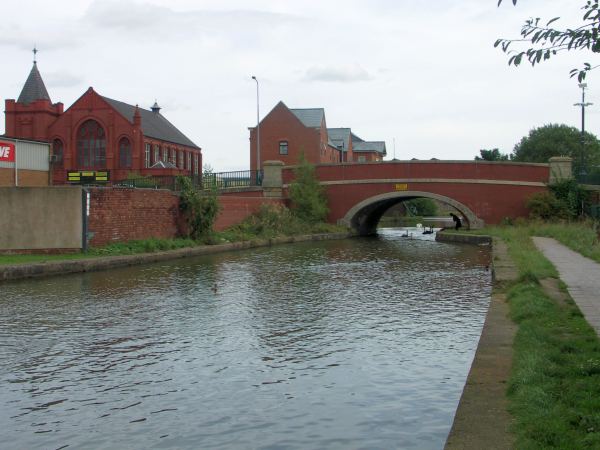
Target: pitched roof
(355, 138)
(340, 137)
(373, 146)
(34, 88)
(154, 125)
(310, 117)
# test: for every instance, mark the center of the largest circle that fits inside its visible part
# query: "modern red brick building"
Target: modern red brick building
(100, 134)
(287, 133)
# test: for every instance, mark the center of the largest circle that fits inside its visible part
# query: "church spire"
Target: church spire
(34, 88)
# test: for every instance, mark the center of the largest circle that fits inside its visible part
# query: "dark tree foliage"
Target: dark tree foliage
(491, 155)
(557, 140)
(421, 207)
(546, 41)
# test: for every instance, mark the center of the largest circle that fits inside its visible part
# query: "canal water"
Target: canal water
(355, 344)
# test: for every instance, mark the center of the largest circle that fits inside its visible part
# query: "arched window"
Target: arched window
(91, 146)
(58, 152)
(124, 153)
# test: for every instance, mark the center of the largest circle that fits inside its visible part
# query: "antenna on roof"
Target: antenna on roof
(35, 50)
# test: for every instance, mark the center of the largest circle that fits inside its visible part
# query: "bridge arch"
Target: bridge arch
(365, 215)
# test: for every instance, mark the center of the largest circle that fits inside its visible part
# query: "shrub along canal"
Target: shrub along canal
(359, 343)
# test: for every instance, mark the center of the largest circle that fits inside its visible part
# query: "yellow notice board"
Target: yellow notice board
(401, 187)
(88, 177)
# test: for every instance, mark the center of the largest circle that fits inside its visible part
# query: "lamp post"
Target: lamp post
(257, 126)
(583, 105)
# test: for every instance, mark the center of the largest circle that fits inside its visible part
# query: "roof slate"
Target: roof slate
(310, 117)
(154, 125)
(34, 88)
(340, 134)
(373, 146)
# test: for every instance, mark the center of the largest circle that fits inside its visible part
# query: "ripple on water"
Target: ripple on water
(361, 343)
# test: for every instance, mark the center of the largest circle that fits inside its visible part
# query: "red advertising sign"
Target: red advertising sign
(7, 152)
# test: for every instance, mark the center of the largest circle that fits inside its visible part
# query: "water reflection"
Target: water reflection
(361, 343)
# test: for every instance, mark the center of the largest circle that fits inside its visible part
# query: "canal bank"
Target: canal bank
(49, 268)
(482, 419)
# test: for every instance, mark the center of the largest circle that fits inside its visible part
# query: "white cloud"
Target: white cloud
(333, 73)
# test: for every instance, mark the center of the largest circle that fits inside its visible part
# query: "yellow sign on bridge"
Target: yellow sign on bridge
(401, 187)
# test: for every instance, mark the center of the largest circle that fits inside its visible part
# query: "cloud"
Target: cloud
(337, 74)
(162, 22)
(62, 79)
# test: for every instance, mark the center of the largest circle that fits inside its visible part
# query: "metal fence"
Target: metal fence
(591, 178)
(224, 180)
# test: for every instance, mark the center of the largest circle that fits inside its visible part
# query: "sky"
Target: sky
(423, 76)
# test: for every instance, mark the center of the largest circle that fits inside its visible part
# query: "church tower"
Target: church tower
(30, 116)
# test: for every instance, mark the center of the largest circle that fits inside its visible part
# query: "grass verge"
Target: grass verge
(554, 389)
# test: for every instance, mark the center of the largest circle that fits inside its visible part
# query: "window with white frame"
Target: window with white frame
(196, 164)
(156, 154)
(283, 147)
(147, 156)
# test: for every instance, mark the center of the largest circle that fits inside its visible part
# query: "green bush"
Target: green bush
(566, 199)
(545, 206)
(306, 194)
(199, 209)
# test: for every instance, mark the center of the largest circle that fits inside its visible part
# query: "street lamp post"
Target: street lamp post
(257, 125)
(583, 105)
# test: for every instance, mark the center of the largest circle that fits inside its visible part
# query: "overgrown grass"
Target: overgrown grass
(581, 237)
(273, 221)
(554, 389)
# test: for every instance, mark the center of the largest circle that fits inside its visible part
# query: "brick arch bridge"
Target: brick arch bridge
(483, 192)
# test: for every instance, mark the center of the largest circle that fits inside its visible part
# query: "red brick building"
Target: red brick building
(286, 133)
(100, 134)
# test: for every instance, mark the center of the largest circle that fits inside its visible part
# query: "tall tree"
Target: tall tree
(558, 140)
(491, 155)
(546, 41)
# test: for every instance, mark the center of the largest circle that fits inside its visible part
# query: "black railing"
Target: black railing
(156, 182)
(237, 179)
(220, 180)
(591, 178)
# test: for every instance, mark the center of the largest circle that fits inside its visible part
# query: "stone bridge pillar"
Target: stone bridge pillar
(560, 168)
(272, 178)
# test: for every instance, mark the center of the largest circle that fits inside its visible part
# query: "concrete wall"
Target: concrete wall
(40, 218)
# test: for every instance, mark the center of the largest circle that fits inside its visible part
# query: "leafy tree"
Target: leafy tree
(491, 155)
(557, 140)
(546, 41)
(306, 194)
(421, 207)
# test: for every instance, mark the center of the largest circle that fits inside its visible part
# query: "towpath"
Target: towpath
(580, 274)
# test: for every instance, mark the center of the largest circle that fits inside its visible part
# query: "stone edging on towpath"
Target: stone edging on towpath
(31, 270)
(482, 419)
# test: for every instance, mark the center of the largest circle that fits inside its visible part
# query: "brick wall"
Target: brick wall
(236, 209)
(26, 177)
(120, 215)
